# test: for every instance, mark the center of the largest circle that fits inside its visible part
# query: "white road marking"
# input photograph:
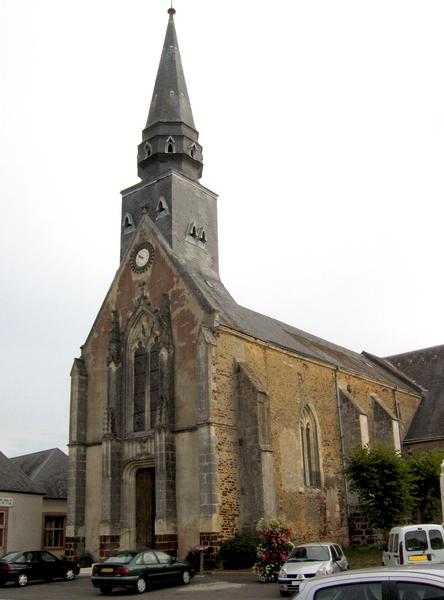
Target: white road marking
(212, 586)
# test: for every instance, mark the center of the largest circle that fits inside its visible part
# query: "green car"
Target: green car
(139, 570)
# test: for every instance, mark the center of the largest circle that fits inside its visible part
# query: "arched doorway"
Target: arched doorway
(145, 507)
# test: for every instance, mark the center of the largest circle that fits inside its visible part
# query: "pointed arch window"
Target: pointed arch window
(128, 223)
(154, 382)
(202, 236)
(170, 145)
(139, 394)
(162, 207)
(192, 230)
(146, 382)
(148, 149)
(193, 151)
(310, 449)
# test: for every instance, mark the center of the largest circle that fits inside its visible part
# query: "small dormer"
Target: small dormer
(170, 146)
(128, 223)
(162, 209)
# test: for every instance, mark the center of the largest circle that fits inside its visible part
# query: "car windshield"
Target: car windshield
(309, 553)
(123, 558)
(11, 556)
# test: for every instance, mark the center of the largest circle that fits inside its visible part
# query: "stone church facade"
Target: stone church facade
(191, 416)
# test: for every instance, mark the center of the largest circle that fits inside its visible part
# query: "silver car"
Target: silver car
(307, 561)
(381, 583)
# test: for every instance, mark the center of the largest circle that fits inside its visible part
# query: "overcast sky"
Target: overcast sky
(322, 123)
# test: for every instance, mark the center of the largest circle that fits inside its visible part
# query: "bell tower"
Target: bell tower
(170, 165)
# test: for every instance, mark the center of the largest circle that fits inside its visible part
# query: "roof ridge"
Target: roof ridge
(419, 350)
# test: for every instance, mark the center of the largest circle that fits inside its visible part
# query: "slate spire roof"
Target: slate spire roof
(170, 139)
(170, 100)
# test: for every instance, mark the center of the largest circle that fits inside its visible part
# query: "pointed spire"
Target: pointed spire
(170, 100)
(170, 139)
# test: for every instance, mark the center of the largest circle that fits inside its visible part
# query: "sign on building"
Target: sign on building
(7, 502)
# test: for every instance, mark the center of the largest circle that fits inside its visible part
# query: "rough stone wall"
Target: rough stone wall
(382, 424)
(428, 446)
(407, 406)
(361, 534)
(350, 414)
(396, 402)
(290, 384)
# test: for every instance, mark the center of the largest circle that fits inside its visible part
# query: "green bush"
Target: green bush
(238, 552)
(379, 476)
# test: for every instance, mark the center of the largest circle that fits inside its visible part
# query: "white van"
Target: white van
(414, 544)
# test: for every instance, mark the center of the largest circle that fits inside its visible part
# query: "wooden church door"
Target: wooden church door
(145, 507)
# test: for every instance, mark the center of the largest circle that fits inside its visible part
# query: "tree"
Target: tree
(424, 472)
(380, 478)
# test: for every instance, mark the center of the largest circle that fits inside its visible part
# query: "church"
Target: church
(192, 417)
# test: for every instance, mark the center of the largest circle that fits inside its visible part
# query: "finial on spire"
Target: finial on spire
(171, 10)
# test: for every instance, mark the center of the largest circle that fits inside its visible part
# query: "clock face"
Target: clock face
(142, 257)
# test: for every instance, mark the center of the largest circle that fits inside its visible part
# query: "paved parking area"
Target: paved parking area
(242, 586)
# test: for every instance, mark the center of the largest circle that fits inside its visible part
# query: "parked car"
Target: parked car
(412, 544)
(21, 567)
(309, 560)
(138, 570)
(381, 583)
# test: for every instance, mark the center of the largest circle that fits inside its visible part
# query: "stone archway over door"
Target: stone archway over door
(145, 507)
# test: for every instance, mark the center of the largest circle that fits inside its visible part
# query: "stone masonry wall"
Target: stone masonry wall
(292, 383)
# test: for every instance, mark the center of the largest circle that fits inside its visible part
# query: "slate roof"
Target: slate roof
(48, 470)
(426, 367)
(285, 336)
(170, 101)
(13, 479)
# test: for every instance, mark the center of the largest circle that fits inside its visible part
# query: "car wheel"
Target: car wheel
(69, 575)
(186, 577)
(21, 580)
(106, 591)
(141, 586)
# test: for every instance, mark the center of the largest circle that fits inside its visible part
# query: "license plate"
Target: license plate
(295, 583)
(422, 557)
(106, 570)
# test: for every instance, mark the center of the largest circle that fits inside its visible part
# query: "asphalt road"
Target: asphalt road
(242, 586)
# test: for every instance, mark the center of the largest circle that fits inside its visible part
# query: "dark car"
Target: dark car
(21, 567)
(138, 570)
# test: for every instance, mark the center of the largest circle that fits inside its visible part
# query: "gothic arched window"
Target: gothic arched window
(139, 395)
(146, 379)
(203, 236)
(310, 449)
(170, 145)
(154, 382)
